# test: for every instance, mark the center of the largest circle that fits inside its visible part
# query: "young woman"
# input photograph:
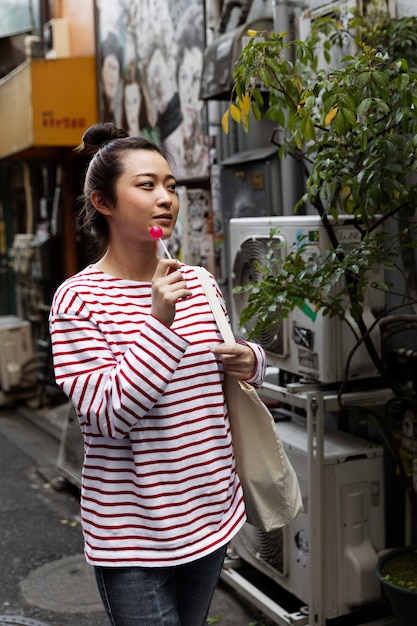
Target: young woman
(137, 351)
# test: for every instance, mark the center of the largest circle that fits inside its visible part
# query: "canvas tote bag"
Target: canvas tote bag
(270, 485)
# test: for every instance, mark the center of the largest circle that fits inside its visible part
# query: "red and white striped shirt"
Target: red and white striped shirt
(159, 485)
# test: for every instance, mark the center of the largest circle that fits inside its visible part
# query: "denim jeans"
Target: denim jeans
(160, 596)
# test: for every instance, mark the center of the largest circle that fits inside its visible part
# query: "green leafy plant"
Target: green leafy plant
(352, 128)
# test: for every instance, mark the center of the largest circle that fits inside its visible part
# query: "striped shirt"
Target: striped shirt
(159, 485)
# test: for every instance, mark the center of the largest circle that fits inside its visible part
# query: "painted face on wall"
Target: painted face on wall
(189, 76)
(110, 74)
(161, 85)
(132, 102)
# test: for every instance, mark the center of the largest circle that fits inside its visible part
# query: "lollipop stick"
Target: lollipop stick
(165, 248)
(156, 233)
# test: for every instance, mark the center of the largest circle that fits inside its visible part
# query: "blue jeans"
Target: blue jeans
(160, 596)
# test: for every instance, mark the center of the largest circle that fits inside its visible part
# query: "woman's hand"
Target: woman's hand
(168, 286)
(238, 359)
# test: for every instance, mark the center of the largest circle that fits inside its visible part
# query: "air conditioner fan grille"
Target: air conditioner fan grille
(267, 547)
(249, 257)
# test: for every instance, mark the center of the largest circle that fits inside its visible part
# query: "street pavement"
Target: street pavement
(44, 580)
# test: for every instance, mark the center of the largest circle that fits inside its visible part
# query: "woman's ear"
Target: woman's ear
(100, 203)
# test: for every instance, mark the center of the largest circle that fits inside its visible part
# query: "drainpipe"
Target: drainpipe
(44, 13)
(290, 176)
(28, 198)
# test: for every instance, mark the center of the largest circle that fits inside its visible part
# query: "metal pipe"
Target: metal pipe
(44, 13)
(290, 175)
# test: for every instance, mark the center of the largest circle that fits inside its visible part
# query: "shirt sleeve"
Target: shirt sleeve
(110, 390)
(258, 374)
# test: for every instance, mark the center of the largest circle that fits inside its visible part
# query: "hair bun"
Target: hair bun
(98, 135)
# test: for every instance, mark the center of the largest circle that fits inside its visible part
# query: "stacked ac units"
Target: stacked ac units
(353, 522)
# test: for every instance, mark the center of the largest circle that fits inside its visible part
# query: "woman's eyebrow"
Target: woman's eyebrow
(144, 174)
(153, 175)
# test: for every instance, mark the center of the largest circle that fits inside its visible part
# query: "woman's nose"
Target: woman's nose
(164, 196)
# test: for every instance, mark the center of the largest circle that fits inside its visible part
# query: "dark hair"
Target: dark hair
(107, 143)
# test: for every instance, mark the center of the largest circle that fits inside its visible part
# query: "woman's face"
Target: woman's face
(189, 76)
(146, 196)
(132, 101)
(110, 73)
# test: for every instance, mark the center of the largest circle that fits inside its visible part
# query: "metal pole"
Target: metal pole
(290, 175)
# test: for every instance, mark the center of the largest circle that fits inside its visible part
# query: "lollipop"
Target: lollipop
(156, 233)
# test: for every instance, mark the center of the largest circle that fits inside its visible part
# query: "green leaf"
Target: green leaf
(265, 77)
(403, 82)
(364, 79)
(307, 128)
(256, 111)
(274, 65)
(349, 116)
(381, 78)
(364, 106)
(257, 96)
(363, 141)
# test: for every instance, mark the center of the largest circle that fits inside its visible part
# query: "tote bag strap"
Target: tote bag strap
(219, 315)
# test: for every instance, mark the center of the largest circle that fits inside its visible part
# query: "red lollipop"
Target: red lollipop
(156, 233)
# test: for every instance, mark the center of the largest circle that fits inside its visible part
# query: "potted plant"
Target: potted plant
(397, 571)
(353, 129)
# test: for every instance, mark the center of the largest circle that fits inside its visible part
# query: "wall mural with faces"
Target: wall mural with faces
(150, 55)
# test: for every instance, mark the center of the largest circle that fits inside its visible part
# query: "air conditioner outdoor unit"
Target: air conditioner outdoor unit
(56, 39)
(354, 528)
(306, 343)
(220, 58)
(250, 183)
(16, 353)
